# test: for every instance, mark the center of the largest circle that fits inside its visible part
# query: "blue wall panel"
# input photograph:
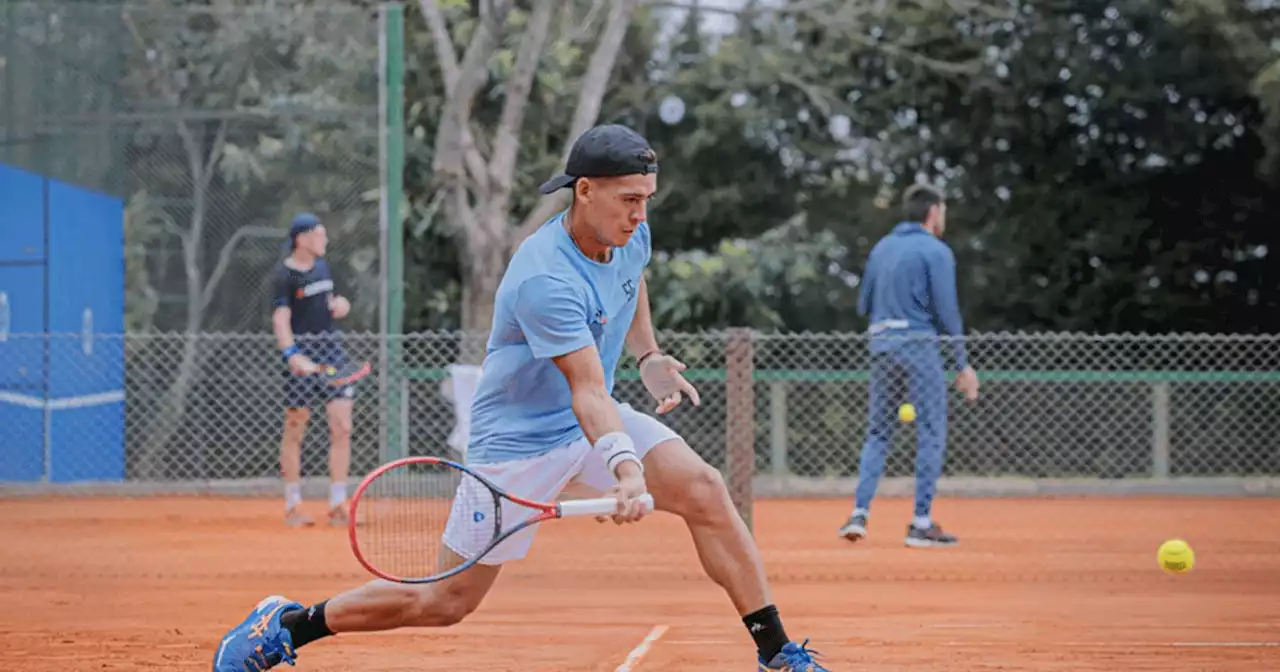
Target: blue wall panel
(22, 440)
(62, 276)
(86, 315)
(22, 346)
(86, 289)
(21, 216)
(22, 379)
(87, 442)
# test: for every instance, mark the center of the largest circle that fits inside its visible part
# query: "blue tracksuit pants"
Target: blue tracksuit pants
(916, 369)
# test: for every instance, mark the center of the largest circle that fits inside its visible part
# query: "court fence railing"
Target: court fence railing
(781, 415)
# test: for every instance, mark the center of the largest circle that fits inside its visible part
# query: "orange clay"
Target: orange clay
(93, 584)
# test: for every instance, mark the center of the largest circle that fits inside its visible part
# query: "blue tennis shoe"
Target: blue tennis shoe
(259, 642)
(793, 658)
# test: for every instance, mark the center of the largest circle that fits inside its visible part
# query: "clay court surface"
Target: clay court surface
(148, 584)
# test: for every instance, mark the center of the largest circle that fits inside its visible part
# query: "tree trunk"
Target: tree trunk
(483, 274)
(172, 414)
(173, 409)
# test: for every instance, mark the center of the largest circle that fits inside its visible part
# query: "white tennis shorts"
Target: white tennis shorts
(541, 478)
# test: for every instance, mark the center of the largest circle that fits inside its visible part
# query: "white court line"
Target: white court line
(637, 654)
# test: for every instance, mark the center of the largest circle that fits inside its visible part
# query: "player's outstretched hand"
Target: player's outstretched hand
(662, 377)
(626, 490)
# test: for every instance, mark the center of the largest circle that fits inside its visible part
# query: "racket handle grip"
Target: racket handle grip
(604, 506)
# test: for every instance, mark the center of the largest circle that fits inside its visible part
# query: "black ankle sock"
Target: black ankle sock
(306, 625)
(766, 629)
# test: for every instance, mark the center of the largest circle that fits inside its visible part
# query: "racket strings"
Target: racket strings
(405, 515)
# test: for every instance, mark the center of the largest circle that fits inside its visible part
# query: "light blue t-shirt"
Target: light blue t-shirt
(553, 300)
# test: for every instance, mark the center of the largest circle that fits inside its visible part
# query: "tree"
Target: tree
(474, 163)
(251, 114)
(1249, 35)
(1100, 155)
(786, 277)
(813, 92)
(725, 169)
(1105, 174)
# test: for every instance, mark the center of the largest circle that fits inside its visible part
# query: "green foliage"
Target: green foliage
(1110, 177)
(786, 276)
(216, 123)
(1103, 158)
(1112, 164)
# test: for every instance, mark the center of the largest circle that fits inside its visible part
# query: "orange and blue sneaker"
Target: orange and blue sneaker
(793, 658)
(259, 642)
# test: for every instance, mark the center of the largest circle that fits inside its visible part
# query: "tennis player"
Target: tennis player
(910, 281)
(305, 308)
(572, 299)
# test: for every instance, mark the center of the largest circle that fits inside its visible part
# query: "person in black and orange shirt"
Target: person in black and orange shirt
(305, 307)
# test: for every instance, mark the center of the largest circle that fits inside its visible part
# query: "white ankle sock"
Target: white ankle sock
(862, 512)
(292, 495)
(337, 494)
(922, 522)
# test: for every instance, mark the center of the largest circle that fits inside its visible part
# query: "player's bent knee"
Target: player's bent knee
(444, 604)
(445, 614)
(703, 499)
(295, 419)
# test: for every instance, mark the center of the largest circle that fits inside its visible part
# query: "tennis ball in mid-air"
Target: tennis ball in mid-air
(906, 412)
(1176, 557)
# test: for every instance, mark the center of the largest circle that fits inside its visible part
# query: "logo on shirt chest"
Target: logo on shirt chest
(629, 289)
(318, 287)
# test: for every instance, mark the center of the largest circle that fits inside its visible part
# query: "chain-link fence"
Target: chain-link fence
(215, 124)
(781, 415)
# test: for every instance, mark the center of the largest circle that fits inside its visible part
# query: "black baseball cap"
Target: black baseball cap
(609, 150)
(302, 223)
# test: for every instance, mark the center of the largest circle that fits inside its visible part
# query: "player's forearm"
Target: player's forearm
(598, 416)
(597, 413)
(282, 329)
(641, 339)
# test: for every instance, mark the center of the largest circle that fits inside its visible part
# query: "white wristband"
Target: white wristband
(616, 448)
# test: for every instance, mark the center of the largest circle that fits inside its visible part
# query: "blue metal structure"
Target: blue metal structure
(61, 318)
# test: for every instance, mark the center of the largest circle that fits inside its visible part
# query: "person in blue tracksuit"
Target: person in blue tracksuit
(908, 289)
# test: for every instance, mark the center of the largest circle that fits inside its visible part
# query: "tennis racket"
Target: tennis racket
(341, 376)
(400, 514)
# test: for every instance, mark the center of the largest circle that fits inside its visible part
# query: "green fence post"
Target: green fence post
(391, 55)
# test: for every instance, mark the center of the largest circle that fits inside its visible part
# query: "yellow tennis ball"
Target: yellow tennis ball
(906, 412)
(1176, 557)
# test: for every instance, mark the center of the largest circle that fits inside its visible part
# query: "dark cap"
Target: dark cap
(302, 223)
(605, 151)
